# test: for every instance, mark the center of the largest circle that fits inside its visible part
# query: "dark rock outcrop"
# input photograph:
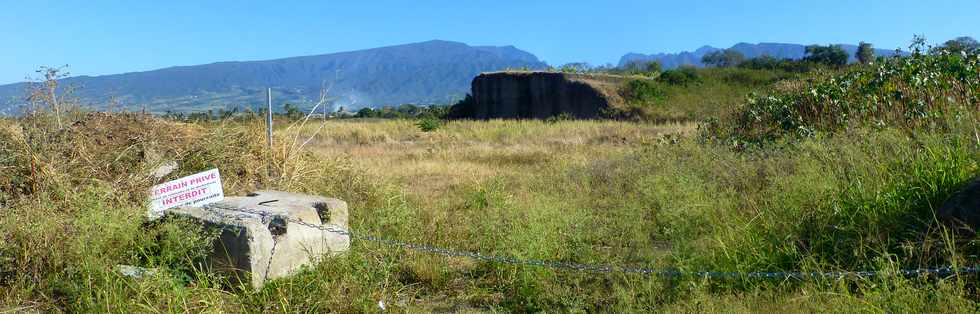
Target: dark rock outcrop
(540, 95)
(962, 210)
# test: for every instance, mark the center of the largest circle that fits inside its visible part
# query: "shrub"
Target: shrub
(680, 76)
(832, 55)
(428, 124)
(723, 58)
(748, 77)
(642, 92)
(920, 90)
(404, 111)
(767, 62)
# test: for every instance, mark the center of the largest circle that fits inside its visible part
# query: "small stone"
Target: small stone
(164, 170)
(135, 271)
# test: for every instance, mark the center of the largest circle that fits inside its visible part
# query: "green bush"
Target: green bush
(680, 76)
(770, 63)
(428, 124)
(642, 92)
(832, 55)
(405, 111)
(908, 92)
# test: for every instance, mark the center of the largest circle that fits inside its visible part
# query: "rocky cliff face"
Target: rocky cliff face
(539, 95)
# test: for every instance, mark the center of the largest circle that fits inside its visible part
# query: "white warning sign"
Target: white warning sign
(194, 190)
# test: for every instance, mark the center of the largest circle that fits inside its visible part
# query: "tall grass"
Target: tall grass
(694, 94)
(854, 197)
(606, 192)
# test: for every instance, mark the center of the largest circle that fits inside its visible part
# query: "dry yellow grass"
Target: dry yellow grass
(429, 165)
(605, 193)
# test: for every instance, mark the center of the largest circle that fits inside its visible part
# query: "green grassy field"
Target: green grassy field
(693, 196)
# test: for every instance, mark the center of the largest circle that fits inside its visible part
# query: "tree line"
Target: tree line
(814, 56)
(832, 55)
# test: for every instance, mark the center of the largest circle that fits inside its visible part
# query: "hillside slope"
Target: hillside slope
(427, 72)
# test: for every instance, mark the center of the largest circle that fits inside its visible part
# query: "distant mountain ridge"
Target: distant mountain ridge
(430, 72)
(435, 71)
(776, 50)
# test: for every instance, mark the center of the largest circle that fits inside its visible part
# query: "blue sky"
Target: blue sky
(104, 37)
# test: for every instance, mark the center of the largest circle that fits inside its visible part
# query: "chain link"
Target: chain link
(591, 268)
(272, 255)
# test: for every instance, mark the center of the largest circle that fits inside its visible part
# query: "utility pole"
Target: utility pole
(268, 124)
(268, 120)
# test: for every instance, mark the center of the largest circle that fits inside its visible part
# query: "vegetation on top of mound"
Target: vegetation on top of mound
(687, 93)
(908, 92)
(691, 94)
(638, 92)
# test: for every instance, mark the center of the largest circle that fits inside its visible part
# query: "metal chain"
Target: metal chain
(594, 268)
(268, 266)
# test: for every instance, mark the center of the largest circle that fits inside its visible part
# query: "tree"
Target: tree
(575, 67)
(723, 58)
(643, 67)
(865, 53)
(365, 112)
(832, 55)
(292, 112)
(653, 67)
(963, 44)
(918, 45)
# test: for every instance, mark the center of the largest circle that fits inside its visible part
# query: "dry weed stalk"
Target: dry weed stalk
(292, 166)
(43, 93)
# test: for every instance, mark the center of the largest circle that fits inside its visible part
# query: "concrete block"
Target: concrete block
(253, 248)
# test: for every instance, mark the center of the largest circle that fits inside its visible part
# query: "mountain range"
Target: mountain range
(431, 72)
(422, 73)
(776, 50)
